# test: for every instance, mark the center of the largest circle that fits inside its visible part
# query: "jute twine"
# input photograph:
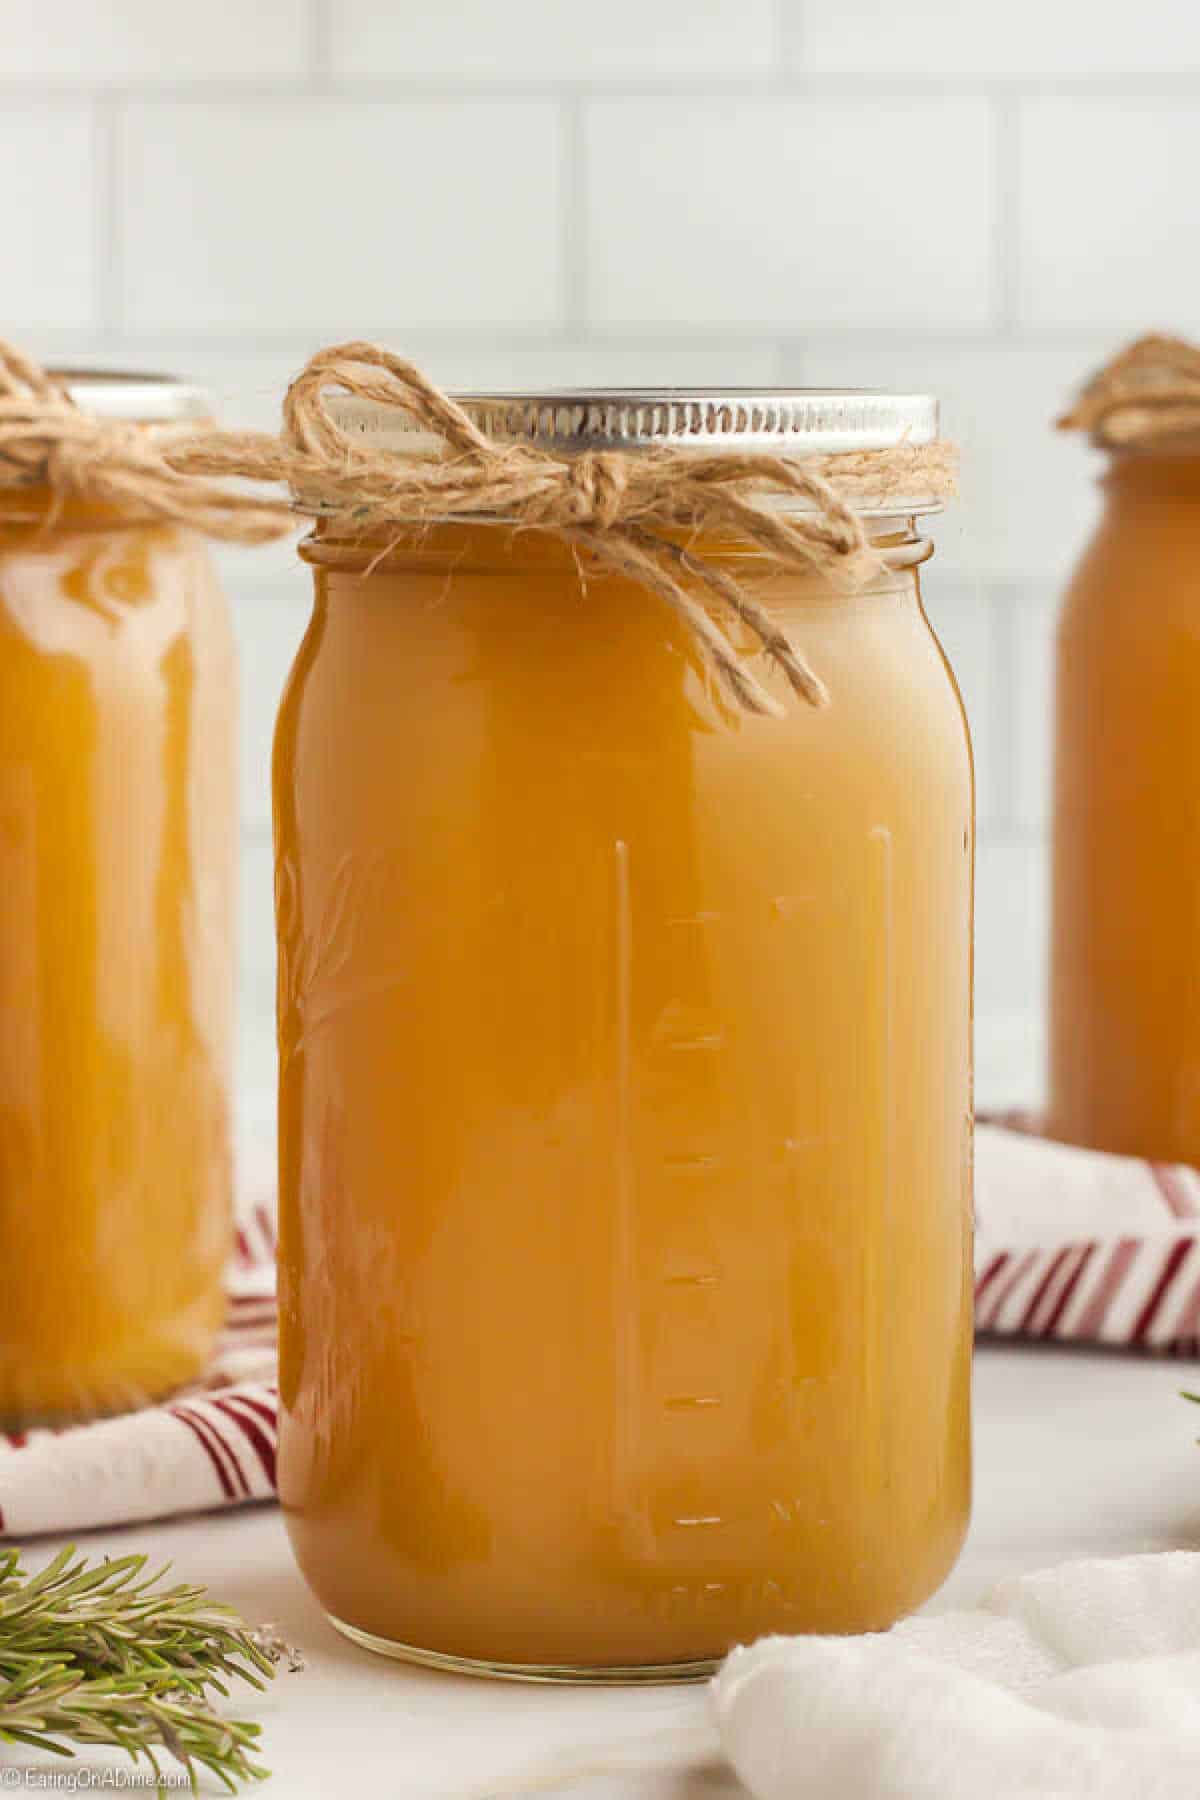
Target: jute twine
(46, 440)
(1144, 398)
(634, 512)
(638, 513)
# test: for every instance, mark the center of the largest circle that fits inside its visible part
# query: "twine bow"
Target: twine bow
(1144, 398)
(637, 513)
(46, 440)
(628, 510)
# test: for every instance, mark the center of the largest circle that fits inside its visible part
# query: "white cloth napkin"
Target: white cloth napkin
(1081, 1682)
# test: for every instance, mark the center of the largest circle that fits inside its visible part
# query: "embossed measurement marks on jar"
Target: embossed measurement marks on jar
(725, 1365)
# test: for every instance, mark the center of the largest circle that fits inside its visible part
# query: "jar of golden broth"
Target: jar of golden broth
(118, 834)
(1125, 961)
(625, 1084)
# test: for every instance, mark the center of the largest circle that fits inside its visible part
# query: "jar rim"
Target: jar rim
(896, 536)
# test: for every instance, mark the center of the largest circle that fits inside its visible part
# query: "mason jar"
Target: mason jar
(118, 840)
(625, 1085)
(1125, 952)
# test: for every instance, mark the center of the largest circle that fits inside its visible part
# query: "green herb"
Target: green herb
(103, 1654)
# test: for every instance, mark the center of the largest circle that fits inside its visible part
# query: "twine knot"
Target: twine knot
(47, 441)
(636, 513)
(596, 483)
(1147, 397)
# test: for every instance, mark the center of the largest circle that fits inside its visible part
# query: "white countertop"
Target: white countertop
(1077, 1454)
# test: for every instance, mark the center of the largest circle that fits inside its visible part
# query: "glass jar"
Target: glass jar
(625, 1102)
(1125, 956)
(118, 836)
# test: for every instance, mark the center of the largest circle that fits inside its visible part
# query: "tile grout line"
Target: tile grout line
(107, 237)
(1007, 223)
(754, 86)
(320, 46)
(1003, 601)
(787, 36)
(1086, 338)
(575, 272)
(789, 356)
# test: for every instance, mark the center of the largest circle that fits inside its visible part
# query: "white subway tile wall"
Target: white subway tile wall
(1032, 39)
(522, 41)
(767, 213)
(49, 201)
(984, 201)
(271, 217)
(101, 41)
(1107, 210)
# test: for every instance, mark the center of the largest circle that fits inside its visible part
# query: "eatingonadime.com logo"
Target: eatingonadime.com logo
(90, 1781)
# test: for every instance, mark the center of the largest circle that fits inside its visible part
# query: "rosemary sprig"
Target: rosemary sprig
(106, 1654)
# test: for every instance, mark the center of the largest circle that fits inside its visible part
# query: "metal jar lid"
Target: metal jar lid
(812, 421)
(796, 421)
(124, 394)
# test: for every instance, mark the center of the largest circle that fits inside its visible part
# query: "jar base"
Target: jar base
(611, 1675)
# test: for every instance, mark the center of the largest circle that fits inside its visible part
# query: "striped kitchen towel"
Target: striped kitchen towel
(1071, 1245)
(1083, 1247)
(213, 1445)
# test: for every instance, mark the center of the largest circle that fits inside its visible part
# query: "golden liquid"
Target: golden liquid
(625, 1096)
(117, 846)
(1125, 965)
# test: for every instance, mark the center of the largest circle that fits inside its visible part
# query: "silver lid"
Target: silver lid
(123, 394)
(815, 421)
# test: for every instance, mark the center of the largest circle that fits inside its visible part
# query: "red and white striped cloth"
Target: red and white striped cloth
(1082, 1247)
(1071, 1245)
(211, 1446)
